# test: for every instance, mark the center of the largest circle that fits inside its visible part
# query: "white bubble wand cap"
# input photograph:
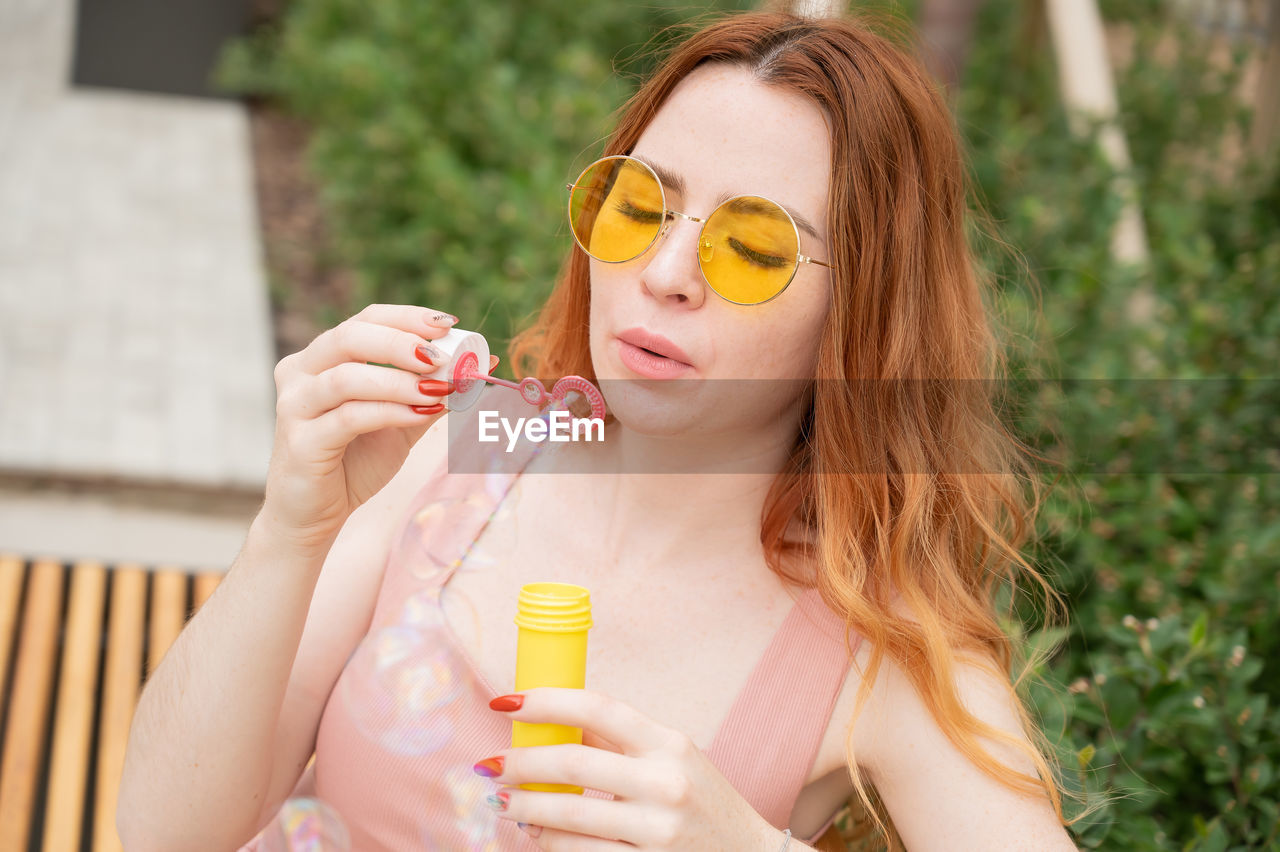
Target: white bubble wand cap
(464, 351)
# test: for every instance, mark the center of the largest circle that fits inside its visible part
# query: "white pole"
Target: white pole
(1089, 92)
(1266, 116)
(818, 8)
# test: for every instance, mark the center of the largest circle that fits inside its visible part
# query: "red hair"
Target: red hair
(914, 495)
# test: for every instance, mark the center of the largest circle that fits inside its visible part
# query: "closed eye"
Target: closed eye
(626, 208)
(769, 261)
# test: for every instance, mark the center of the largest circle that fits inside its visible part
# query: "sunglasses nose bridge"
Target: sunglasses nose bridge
(671, 216)
(678, 251)
(706, 250)
(685, 216)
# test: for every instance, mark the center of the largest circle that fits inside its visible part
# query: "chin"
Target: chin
(656, 409)
(695, 408)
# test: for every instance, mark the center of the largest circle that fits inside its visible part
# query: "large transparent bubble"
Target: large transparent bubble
(401, 688)
(473, 826)
(447, 529)
(306, 825)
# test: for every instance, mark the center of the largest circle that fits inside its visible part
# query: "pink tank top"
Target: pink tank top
(409, 716)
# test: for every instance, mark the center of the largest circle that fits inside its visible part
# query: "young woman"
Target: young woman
(792, 532)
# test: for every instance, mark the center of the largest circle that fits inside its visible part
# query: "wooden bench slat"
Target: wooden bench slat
(77, 698)
(10, 594)
(204, 586)
(24, 735)
(168, 613)
(121, 678)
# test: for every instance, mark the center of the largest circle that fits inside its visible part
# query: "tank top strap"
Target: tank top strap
(767, 745)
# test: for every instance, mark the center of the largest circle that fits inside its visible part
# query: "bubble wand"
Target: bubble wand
(464, 352)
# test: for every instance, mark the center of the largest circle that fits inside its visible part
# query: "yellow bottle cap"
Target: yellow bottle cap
(553, 607)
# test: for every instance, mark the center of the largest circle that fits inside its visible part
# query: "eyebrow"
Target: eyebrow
(676, 182)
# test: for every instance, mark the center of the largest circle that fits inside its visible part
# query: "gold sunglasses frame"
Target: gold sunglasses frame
(668, 214)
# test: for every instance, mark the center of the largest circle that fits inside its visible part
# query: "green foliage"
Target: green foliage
(1173, 658)
(443, 135)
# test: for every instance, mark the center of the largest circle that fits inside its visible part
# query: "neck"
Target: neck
(680, 501)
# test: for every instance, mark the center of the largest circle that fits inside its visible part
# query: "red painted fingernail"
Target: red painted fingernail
(428, 409)
(434, 387)
(490, 767)
(506, 703)
(424, 354)
(498, 801)
(496, 361)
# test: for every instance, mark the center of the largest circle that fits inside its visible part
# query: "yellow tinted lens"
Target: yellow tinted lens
(616, 209)
(748, 250)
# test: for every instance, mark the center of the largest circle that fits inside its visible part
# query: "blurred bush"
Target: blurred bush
(1172, 659)
(444, 133)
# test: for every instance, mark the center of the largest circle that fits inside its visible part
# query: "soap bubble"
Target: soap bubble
(435, 553)
(400, 687)
(474, 826)
(421, 611)
(446, 529)
(306, 825)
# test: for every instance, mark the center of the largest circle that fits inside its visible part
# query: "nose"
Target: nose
(672, 273)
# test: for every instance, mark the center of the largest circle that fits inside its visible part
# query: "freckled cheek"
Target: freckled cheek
(745, 356)
(605, 291)
(598, 295)
(792, 349)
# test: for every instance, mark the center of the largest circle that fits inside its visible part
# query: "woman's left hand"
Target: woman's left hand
(667, 794)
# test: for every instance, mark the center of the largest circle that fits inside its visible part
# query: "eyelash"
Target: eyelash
(626, 208)
(768, 261)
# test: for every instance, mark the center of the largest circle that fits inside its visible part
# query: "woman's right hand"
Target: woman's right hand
(345, 426)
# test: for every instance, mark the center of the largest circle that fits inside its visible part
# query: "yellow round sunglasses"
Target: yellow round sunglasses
(748, 248)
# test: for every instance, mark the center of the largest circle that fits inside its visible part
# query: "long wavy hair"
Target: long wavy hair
(915, 498)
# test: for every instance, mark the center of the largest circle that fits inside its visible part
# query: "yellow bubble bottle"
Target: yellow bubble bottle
(551, 650)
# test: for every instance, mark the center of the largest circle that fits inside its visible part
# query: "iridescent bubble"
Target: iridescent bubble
(483, 552)
(504, 500)
(306, 825)
(495, 480)
(479, 556)
(421, 610)
(446, 529)
(433, 511)
(437, 554)
(400, 687)
(475, 825)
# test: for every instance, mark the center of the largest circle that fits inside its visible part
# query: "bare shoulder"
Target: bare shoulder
(918, 771)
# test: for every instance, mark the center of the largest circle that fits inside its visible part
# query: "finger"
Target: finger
(361, 342)
(582, 766)
(408, 317)
(493, 363)
(609, 824)
(590, 738)
(312, 396)
(333, 431)
(554, 840)
(604, 715)
(427, 419)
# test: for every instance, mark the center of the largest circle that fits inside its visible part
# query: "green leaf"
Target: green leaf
(1199, 630)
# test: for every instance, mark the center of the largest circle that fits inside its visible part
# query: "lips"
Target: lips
(655, 343)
